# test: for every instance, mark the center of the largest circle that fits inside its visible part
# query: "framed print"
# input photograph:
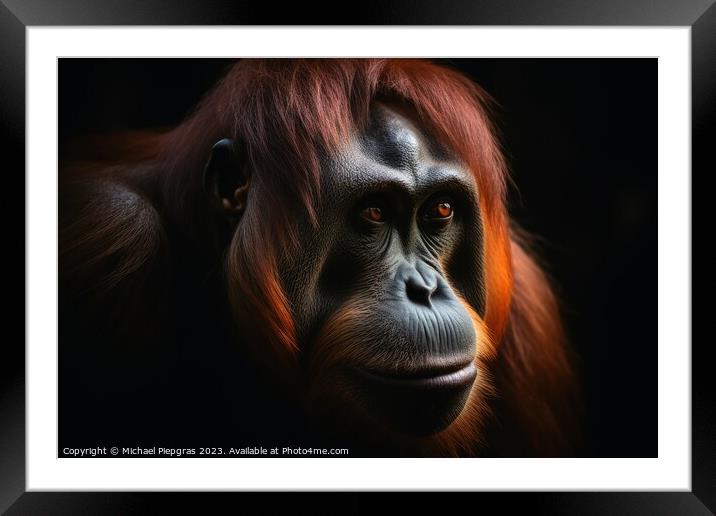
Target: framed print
(390, 256)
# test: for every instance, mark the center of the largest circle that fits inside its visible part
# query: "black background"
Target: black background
(580, 136)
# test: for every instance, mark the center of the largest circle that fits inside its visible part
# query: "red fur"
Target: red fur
(289, 113)
(537, 405)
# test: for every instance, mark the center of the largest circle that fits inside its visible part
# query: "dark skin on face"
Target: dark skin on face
(331, 288)
(388, 339)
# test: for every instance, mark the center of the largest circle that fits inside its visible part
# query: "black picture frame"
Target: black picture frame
(17, 15)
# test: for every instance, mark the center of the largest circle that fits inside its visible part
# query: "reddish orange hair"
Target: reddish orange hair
(287, 114)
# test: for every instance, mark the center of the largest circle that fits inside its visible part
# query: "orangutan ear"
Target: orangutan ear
(226, 178)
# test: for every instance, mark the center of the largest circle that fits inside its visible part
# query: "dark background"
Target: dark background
(580, 136)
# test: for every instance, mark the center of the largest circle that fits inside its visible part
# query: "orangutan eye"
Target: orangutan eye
(373, 214)
(439, 211)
